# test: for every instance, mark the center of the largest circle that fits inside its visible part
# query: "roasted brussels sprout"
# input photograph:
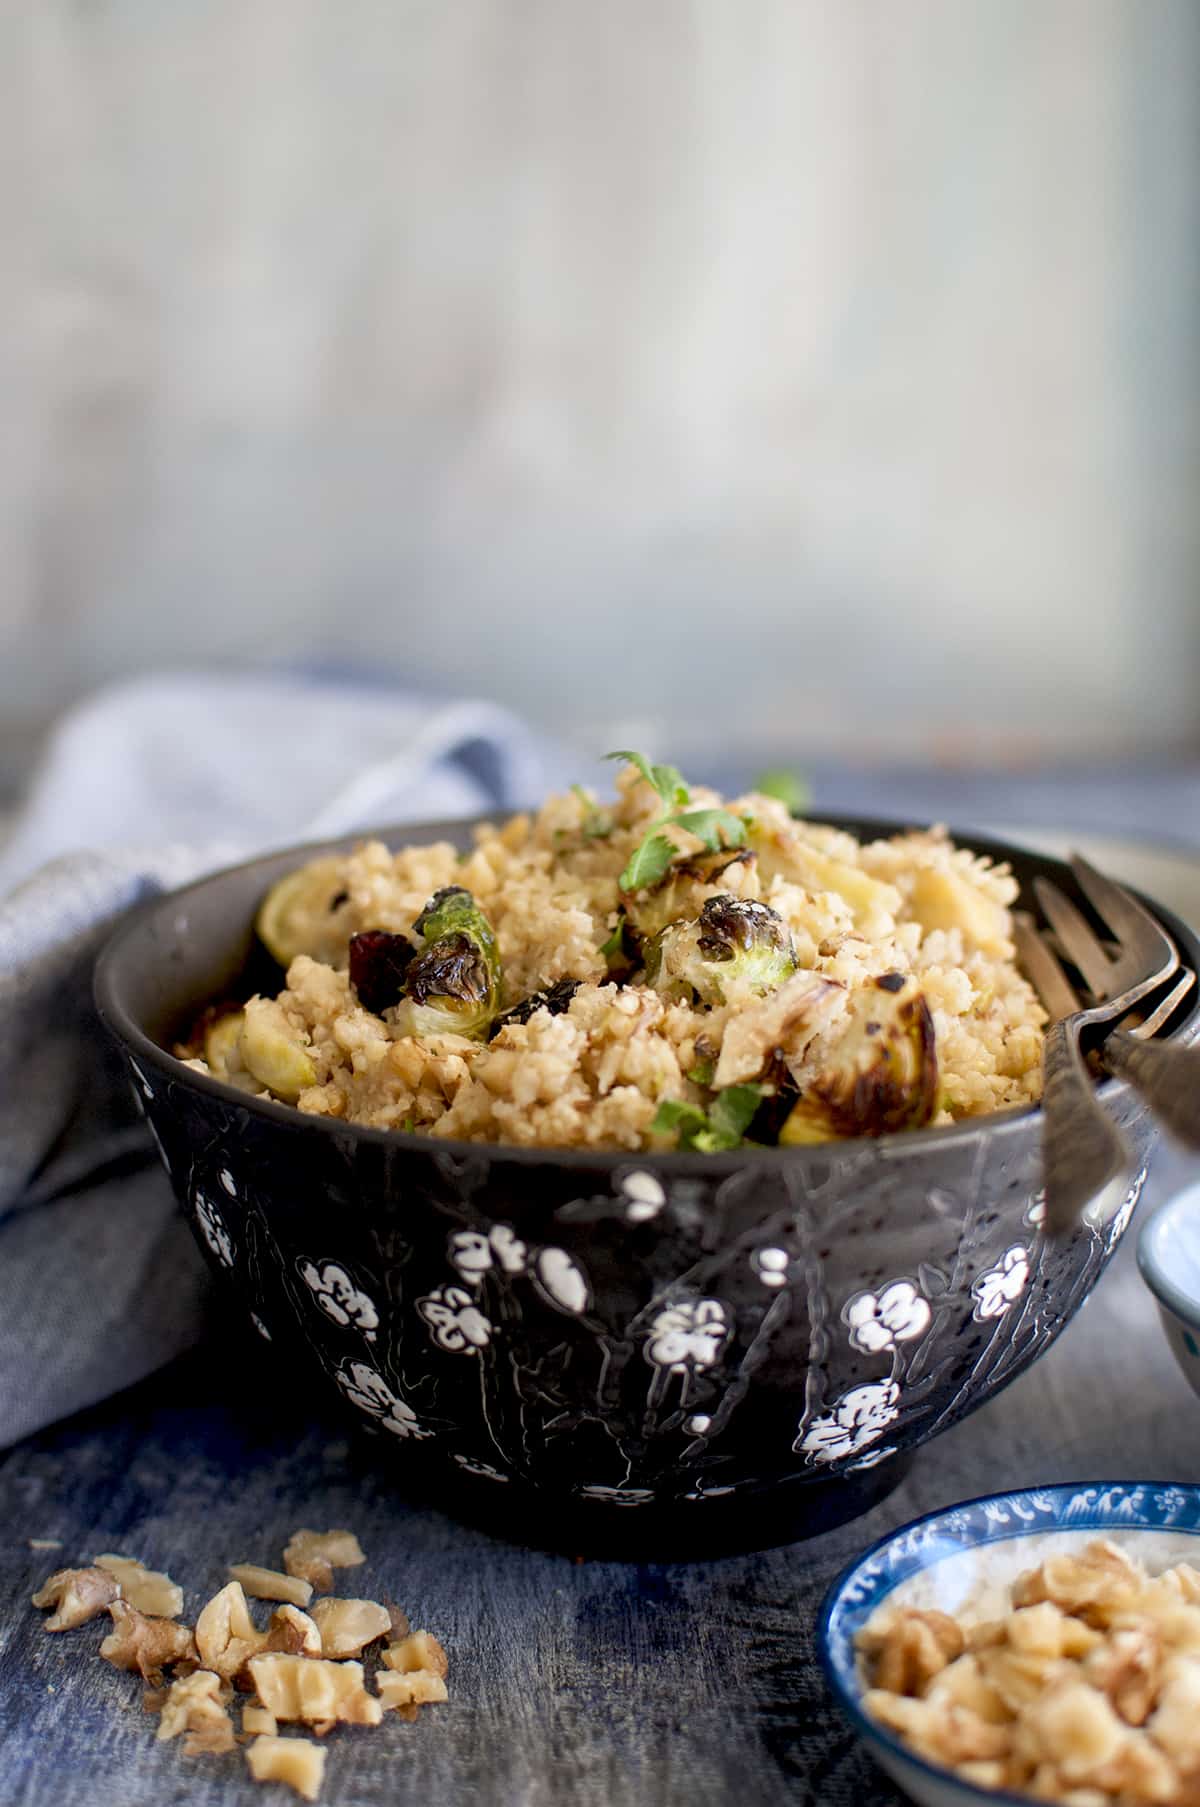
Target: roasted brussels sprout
(681, 892)
(732, 944)
(452, 987)
(274, 1052)
(299, 914)
(883, 1072)
(555, 998)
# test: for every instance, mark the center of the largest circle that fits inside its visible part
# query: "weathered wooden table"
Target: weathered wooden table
(572, 1684)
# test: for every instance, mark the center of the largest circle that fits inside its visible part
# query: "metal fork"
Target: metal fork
(1167, 1076)
(1084, 1154)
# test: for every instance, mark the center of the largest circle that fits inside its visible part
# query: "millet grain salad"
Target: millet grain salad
(668, 971)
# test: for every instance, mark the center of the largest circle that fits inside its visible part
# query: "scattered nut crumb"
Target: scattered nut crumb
(297, 1761)
(313, 1689)
(347, 1625)
(145, 1644)
(258, 1721)
(226, 1635)
(77, 1594)
(415, 1688)
(194, 1705)
(148, 1589)
(313, 1556)
(301, 1667)
(420, 1650)
(269, 1584)
(44, 1543)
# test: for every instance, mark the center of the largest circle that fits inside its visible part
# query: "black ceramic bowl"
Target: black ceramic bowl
(656, 1341)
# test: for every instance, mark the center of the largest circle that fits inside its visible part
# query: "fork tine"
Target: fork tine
(1124, 915)
(1078, 942)
(1164, 1011)
(1049, 980)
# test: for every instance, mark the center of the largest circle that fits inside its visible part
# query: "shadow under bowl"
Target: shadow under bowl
(639, 1345)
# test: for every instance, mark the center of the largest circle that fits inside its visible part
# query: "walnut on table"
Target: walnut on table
(149, 1590)
(314, 1689)
(269, 1584)
(145, 1644)
(297, 1761)
(313, 1556)
(194, 1705)
(226, 1635)
(347, 1626)
(77, 1595)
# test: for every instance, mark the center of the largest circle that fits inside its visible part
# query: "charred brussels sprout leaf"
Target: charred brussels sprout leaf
(379, 962)
(722, 1126)
(555, 998)
(882, 1075)
(452, 987)
(734, 943)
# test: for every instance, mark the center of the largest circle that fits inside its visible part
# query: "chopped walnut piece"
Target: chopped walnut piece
(1097, 1583)
(314, 1689)
(415, 1688)
(269, 1584)
(226, 1635)
(297, 1761)
(420, 1650)
(347, 1625)
(909, 1648)
(258, 1722)
(77, 1595)
(44, 1543)
(1127, 1667)
(313, 1556)
(294, 1633)
(194, 1705)
(148, 1645)
(149, 1590)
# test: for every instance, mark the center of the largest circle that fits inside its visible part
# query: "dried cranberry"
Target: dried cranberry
(556, 999)
(379, 961)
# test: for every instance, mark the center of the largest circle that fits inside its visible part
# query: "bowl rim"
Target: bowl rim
(850, 1704)
(897, 1144)
(1151, 1264)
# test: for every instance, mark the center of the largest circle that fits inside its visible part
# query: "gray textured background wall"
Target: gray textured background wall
(788, 369)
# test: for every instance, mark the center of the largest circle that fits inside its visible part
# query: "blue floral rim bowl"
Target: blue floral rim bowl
(1169, 1257)
(974, 1551)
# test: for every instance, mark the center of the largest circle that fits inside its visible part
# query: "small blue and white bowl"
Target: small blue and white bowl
(966, 1558)
(1169, 1257)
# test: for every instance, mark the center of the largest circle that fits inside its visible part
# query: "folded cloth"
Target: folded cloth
(162, 780)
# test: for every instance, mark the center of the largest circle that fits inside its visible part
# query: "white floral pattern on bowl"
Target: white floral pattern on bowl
(878, 1321)
(859, 1419)
(214, 1230)
(689, 1334)
(1002, 1286)
(473, 1254)
(455, 1322)
(370, 1392)
(338, 1297)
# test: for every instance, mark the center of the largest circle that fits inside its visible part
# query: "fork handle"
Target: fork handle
(1083, 1151)
(1167, 1077)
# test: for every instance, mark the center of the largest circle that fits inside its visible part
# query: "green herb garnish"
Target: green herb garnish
(654, 855)
(786, 787)
(597, 824)
(722, 1126)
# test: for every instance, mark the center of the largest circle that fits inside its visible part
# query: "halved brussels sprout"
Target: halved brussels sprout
(296, 915)
(681, 893)
(734, 943)
(273, 1051)
(221, 1042)
(883, 1072)
(555, 998)
(453, 986)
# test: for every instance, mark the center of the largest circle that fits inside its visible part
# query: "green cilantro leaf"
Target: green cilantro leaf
(649, 863)
(787, 787)
(717, 828)
(732, 1111)
(665, 779)
(597, 823)
(723, 1126)
(674, 1113)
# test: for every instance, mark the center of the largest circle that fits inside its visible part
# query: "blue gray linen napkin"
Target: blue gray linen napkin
(142, 788)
